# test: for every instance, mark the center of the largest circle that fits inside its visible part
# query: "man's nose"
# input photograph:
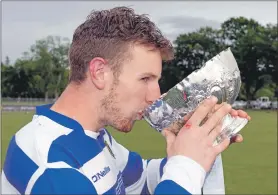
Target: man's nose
(153, 94)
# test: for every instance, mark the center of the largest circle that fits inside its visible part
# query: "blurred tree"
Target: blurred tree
(265, 91)
(50, 55)
(43, 71)
(7, 61)
(192, 50)
(7, 72)
(247, 40)
(271, 51)
(15, 80)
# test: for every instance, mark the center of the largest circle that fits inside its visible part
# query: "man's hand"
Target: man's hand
(235, 113)
(237, 138)
(195, 141)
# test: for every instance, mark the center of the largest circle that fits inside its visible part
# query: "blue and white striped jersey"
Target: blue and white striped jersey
(53, 154)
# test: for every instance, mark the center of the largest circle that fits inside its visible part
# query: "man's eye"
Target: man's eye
(146, 79)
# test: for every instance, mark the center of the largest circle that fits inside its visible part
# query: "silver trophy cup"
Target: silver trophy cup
(219, 77)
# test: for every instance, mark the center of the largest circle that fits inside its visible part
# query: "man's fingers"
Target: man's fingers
(222, 146)
(217, 106)
(242, 114)
(215, 132)
(216, 117)
(234, 113)
(169, 136)
(202, 111)
(163, 95)
(237, 139)
(188, 116)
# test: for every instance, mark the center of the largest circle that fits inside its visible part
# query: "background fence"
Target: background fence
(23, 104)
(29, 104)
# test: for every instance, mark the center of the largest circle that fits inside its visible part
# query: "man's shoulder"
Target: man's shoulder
(76, 149)
(42, 125)
(36, 137)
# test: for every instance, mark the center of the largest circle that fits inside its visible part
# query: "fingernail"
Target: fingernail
(214, 99)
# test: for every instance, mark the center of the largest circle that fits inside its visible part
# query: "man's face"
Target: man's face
(136, 88)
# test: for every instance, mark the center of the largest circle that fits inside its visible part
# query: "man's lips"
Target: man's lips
(140, 115)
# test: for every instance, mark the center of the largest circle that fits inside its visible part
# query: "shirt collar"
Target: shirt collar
(58, 118)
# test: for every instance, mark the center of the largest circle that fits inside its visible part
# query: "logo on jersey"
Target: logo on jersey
(101, 174)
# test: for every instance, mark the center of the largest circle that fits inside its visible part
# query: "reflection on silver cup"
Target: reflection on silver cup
(219, 77)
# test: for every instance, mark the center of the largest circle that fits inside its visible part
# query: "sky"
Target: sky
(24, 22)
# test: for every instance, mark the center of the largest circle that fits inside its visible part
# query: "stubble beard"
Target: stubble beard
(112, 114)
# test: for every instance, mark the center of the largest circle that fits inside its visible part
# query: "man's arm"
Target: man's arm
(213, 183)
(181, 175)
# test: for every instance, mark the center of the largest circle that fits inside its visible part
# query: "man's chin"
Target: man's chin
(125, 128)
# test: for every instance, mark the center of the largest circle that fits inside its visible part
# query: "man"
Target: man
(115, 61)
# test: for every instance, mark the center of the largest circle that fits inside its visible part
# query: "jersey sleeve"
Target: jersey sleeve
(184, 176)
(181, 175)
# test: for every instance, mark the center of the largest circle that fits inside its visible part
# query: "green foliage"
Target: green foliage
(253, 45)
(265, 92)
(41, 72)
(247, 38)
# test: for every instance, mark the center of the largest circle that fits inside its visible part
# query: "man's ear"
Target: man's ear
(97, 70)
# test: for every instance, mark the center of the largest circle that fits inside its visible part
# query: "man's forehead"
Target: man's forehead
(139, 50)
(144, 62)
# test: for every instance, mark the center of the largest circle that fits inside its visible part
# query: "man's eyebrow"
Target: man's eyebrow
(151, 75)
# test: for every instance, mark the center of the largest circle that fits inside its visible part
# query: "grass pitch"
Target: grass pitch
(250, 167)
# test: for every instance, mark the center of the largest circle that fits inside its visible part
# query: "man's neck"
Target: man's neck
(76, 104)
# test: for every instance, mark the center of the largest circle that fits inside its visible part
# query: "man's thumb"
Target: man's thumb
(169, 136)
